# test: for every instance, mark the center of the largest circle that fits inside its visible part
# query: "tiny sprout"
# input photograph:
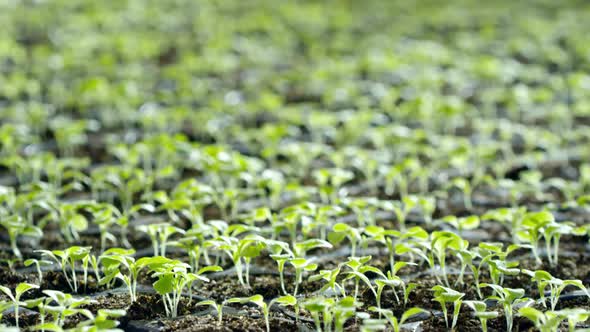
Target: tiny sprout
(68, 258)
(544, 279)
(301, 265)
(444, 295)
(463, 223)
(259, 301)
(395, 323)
(18, 292)
(341, 231)
(544, 322)
(217, 307)
(508, 297)
(16, 226)
(480, 308)
(159, 234)
(38, 264)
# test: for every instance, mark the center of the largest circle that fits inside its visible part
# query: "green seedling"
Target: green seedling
(343, 231)
(259, 301)
(68, 258)
(507, 297)
(173, 277)
(330, 181)
(65, 306)
(240, 251)
(466, 188)
(301, 265)
(480, 311)
(104, 320)
(548, 321)
(358, 268)
(444, 295)
(38, 264)
(401, 209)
(331, 279)
(552, 234)
(574, 316)
(393, 321)
(16, 226)
(119, 263)
(492, 255)
(544, 279)
(68, 217)
(462, 223)
(217, 307)
(159, 234)
(18, 292)
(393, 281)
(532, 229)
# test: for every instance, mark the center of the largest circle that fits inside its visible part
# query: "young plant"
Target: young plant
(301, 265)
(173, 278)
(462, 223)
(217, 307)
(548, 321)
(401, 209)
(15, 226)
(343, 231)
(18, 292)
(532, 229)
(331, 279)
(259, 301)
(507, 297)
(441, 241)
(358, 267)
(38, 264)
(393, 281)
(444, 295)
(556, 286)
(240, 251)
(480, 309)
(159, 234)
(393, 321)
(68, 258)
(114, 259)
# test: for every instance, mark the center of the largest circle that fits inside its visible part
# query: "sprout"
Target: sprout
(462, 223)
(393, 321)
(439, 244)
(444, 295)
(574, 316)
(65, 306)
(544, 279)
(341, 231)
(532, 227)
(301, 265)
(115, 258)
(401, 210)
(16, 226)
(68, 258)
(259, 301)
(508, 297)
(173, 278)
(159, 234)
(217, 307)
(240, 251)
(331, 278)
(358, 270)
(21, 288)
(392, 280)
(330, 180)
(38, 264)
(544, 322)
(480, 308)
